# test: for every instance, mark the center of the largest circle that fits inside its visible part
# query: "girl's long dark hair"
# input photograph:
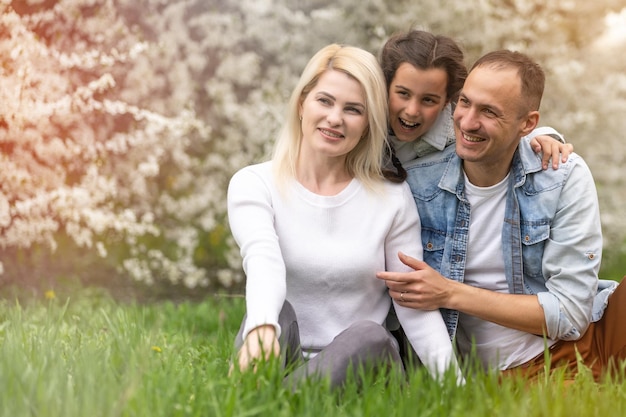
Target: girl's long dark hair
(399, 174)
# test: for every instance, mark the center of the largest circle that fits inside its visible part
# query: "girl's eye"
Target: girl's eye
(402, 93)
(354, 110)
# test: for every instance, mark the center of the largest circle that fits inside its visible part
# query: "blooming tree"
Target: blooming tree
(78, 161)
(122, 121)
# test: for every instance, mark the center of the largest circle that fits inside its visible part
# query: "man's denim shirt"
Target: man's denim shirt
(552, 239)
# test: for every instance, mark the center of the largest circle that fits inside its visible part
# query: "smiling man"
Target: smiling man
(512, 251)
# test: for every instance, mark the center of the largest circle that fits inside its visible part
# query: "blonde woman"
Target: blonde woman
(317, 222)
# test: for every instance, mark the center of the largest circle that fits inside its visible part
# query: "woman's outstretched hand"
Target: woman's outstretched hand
(260, 344)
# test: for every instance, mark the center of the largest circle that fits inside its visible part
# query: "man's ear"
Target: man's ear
(529, 122)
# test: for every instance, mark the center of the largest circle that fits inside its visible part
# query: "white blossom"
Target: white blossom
(127, 136)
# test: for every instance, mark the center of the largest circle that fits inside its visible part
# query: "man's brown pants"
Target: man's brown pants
(602, 348)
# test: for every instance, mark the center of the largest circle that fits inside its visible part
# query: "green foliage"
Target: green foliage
(613, 264)
(80, 353)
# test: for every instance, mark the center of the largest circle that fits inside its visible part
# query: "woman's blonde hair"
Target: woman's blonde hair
(364, 162)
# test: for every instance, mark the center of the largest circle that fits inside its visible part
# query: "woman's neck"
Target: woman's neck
(329, 177)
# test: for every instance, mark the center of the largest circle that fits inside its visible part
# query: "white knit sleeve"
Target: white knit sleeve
(427, 333)
(425, 330)
(251, 220)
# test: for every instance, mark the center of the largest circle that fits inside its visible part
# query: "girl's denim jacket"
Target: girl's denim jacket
(552, 238)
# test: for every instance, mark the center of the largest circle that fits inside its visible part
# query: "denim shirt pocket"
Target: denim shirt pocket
(434, 244)
(534, 235)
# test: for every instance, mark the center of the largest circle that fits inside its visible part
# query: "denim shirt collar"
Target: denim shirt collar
(442, 131)
(525, 161)
(452, 178)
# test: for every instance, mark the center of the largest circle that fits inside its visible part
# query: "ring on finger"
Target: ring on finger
(402, 296)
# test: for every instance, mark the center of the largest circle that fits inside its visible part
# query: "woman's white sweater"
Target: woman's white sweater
(321, 253)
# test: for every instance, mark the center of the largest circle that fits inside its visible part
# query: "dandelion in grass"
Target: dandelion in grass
(156, 349)
(50, 295)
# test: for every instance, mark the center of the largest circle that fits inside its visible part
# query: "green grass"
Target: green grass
(90, 356)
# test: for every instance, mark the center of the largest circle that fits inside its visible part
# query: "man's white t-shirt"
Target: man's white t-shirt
(497, 347)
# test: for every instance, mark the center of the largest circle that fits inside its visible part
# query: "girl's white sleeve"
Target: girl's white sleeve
(251, 220)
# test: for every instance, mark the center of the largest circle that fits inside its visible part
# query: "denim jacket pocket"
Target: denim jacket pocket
(534, 236)
(434, 244)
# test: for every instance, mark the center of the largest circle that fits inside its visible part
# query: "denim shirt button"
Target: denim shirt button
(591, 256)
(527, 238)
(429, 245)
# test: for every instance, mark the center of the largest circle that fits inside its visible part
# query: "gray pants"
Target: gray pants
(365, 344)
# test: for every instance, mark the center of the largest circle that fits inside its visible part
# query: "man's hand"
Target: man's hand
(260, 344)
(422, 289)
(426, 289)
